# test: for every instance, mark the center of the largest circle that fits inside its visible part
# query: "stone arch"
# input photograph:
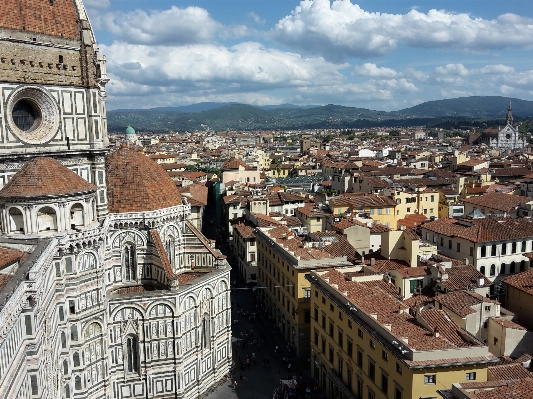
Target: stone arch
(128, 256)
(132, 311)
(77, 215)
(133, 236)
(87, 260)
(160, 309)
(47, 219)
(16, 220)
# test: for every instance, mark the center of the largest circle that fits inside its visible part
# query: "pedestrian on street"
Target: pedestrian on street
(235, 385)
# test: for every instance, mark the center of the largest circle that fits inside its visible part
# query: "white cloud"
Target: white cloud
(340, 29)
(205, 70)
(256, 18)
(174, 26)
(496, 69)
(372, 70)
(452, 70)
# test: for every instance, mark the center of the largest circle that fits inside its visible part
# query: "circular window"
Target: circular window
(26, 115)
(34, 116)
(507, 136)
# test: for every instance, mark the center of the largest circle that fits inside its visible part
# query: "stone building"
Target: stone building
(106, 290)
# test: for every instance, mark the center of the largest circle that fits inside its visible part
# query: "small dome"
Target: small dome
(130, 130)
(135, 183)
(45, 177)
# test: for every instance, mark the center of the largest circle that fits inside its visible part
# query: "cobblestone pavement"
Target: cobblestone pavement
(257, 380)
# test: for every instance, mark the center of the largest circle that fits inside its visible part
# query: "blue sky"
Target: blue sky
(378, 54)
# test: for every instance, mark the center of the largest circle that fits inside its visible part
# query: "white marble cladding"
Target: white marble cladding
(80, 116)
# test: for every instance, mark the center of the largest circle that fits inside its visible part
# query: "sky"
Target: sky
(376, 54)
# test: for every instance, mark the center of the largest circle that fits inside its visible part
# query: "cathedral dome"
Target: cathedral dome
(135, 183)
(54, 17)
(130, 130)
(45, 177)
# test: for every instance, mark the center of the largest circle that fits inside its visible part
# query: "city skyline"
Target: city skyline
(385, 55)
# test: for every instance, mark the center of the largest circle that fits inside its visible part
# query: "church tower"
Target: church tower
(52, 90)
(509, 118)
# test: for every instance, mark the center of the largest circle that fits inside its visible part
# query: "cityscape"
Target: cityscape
(223, 239)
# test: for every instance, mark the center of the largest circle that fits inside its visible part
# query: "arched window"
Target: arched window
(63, 340)
(522, 265)
(482, 270)
(483, 251)
(513, 248)
(76, 359)
(493, 250)
(77, 217)
(129, 262)
(47, 219)
(65, 367)
(206, 331)
(502, 268)
(77, 383)
(492, 270)
(74, 332)
(16, 221)
(523, 249)
(132, 354)
(513, 267)
(504, 248)
(67, 391)
(171, 250)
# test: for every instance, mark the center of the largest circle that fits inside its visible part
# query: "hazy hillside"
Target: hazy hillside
(217, 116)
(471, 107)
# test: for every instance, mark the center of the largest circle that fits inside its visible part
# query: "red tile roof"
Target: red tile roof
(44, 177)
(135, 183)
(483, 230)
(499, 201)
(58, 19)
(522, 281)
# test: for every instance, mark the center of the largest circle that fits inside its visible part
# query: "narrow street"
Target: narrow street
(254, 334)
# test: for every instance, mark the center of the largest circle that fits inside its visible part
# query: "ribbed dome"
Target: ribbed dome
(45, 177)
(56, 18)
(135, 183)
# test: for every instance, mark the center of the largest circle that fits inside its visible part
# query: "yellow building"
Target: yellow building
(377, 207)
(365, 343)
(283, 261)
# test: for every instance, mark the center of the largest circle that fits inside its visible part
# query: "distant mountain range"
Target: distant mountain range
(234, 116)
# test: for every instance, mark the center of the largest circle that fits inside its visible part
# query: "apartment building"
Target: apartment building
(283, 261)
(366, 343)
(494, 246)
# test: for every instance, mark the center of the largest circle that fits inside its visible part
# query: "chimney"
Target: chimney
(372, 261)
(466, 261)
(480, 281)
(436, 332)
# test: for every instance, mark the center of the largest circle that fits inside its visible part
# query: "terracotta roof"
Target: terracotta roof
(45, 177)
(483, 230)
(463, 277)
(500, 201)
(135, 289)
(245, 230)
(508, 323)
(57, 19)
(233, 163)
(135, 183)
(461, 302)
(519, 389)
(374, 300)
(163, 256)
(522, 281)
(9, 256)
(187, 277)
